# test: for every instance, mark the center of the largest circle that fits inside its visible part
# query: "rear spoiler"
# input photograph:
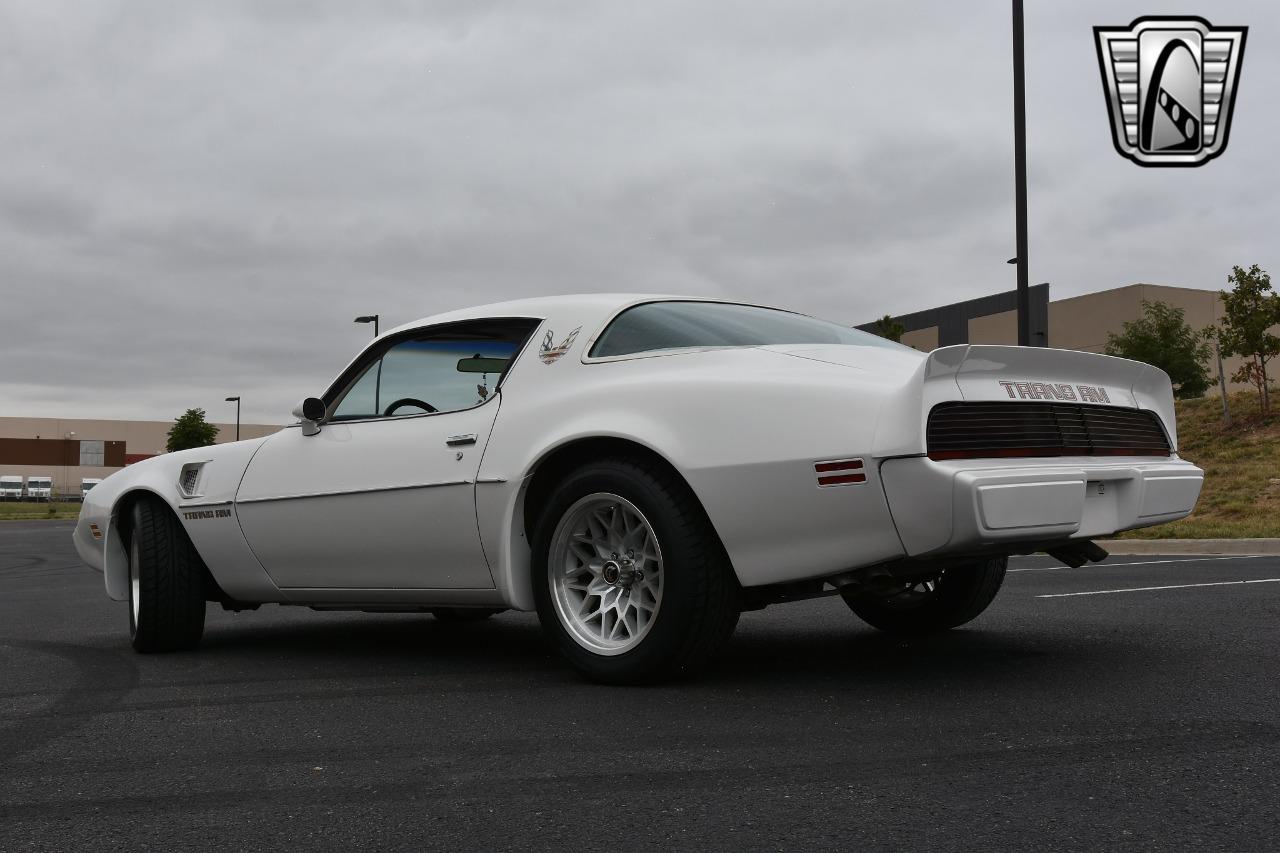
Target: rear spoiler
(980, 372)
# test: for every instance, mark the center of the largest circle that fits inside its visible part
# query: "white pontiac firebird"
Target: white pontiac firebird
(639, 470)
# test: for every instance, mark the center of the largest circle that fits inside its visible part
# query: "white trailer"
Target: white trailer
(39, 488)
(10, 487)
(86, 484)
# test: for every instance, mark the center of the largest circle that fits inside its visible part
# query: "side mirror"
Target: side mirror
(311, 412)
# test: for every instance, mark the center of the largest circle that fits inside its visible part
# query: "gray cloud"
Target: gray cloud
(197, 198)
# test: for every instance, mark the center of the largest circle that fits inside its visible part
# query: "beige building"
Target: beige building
(72, 449)
(1084, 322)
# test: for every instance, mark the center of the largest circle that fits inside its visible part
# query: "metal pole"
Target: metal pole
(1020, 176)
(236, 400)
(375, 325)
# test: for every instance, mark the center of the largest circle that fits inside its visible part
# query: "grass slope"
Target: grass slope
(28, 510)
(1241, 497)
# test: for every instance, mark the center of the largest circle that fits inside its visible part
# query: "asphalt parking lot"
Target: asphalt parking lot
(1134, 720)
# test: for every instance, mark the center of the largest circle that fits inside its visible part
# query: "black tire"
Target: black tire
(958, 596)
(167, 602)
(463, 614)
(700, 599)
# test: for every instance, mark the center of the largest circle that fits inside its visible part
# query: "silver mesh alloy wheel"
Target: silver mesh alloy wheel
(605, 572)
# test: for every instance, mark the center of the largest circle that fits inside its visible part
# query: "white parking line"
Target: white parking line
(1143, 563)
(1151, 588)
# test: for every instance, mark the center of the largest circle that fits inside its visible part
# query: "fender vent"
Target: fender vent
(1002, 430)
(189, 480)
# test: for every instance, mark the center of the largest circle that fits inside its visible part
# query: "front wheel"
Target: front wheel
(631, 583)
(956, 596)
(166, 581)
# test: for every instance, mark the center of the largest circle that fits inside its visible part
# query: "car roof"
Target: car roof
(599, 304)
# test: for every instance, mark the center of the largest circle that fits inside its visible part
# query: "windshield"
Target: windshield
(37, 483)
(678, 325)
(87, 485)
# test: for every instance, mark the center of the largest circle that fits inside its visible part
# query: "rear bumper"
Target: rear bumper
(952, 506)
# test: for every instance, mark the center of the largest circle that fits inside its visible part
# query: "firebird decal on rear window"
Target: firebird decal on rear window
(550, 353)
(1055, 391)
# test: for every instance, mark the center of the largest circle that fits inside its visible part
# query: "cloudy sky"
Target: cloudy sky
(197, 198)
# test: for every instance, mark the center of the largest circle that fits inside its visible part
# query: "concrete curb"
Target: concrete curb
(1177, 547)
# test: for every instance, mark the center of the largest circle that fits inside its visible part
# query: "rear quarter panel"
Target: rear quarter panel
(743, 426)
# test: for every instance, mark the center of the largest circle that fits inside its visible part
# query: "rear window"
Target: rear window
(679, 325)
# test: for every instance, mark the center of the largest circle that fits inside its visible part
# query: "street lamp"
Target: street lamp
(370, 318)
(236, 400)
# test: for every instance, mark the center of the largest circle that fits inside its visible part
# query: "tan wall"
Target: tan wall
(145, 437)
(1084, 322)
(999, 328)
(922, 339)
(138, 436)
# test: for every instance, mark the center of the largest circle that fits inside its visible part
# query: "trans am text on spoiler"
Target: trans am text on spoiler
(639, 470)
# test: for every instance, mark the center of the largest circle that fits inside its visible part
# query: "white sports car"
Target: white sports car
(639, 470)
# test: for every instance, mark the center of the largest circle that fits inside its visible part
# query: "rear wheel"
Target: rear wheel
(166, 581)
(956, 596)
(631, 582)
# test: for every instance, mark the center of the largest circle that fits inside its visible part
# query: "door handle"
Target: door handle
(459, 440)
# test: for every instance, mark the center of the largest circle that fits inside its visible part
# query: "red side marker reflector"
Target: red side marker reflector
(840, 472)
(841, 479)
(843, 465)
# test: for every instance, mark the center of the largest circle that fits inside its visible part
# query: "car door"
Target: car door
(383, 496)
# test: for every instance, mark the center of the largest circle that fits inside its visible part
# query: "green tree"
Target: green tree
(1249, 311)
(191, 430)
(1162, 337)
(887, 327)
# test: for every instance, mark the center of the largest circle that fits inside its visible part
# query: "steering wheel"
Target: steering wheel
(408, 401)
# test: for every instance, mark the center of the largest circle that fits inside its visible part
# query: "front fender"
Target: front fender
(207, 516)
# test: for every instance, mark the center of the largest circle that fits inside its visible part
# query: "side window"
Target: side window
(442, 370)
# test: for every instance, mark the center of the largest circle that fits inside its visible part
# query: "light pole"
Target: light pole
(236, 400)
(370, 318)
(1020, 176)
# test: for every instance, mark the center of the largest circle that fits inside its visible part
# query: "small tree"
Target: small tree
(1161, 337)
(191, 430)
(887, 327)
(1250, 309)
